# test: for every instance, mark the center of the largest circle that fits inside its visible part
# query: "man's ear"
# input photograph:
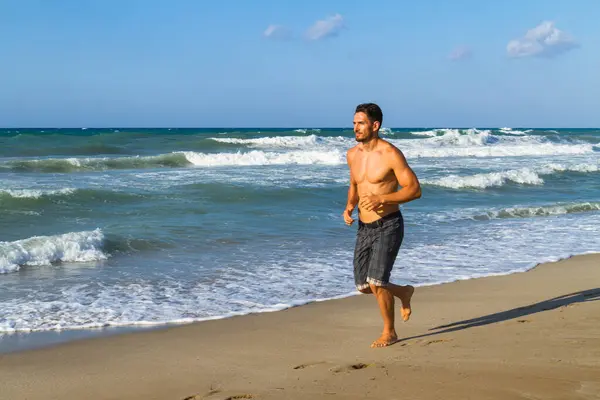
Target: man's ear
(376, 126)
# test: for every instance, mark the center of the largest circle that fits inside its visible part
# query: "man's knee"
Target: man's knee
(377, 289)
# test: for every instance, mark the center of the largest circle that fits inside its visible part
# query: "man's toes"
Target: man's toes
(384, 342)
(406, 315)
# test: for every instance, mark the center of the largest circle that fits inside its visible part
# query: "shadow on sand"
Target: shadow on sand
(557, 302)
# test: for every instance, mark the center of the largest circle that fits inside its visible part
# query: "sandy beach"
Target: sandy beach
(532, 335)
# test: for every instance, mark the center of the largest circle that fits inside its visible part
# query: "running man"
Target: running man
(377, 169)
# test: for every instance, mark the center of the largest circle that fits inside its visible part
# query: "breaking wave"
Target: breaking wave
(47, 250)
(38, 197)
(540, 211)
(34, 193)
(525, 176)
(484, 143)
(178, 159)
(86, 246)
(266, 158)
(287, 141)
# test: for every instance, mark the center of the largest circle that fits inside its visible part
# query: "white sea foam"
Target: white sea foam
(588, 167)
(518, 211)
(452, 134)
(441, 143)
(305, 130)
(23, 212)
(484, 250)
(283, 142)
(145, 303)
(482, 181)
(45, 250)
(509, 131)
(433, 132)
(538, 211)
(257, 157)
(526, 176)
(36, 193)
(546, 149)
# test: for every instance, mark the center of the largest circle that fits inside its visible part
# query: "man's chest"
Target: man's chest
(369, 167)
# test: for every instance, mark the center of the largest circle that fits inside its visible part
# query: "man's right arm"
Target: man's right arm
(352, 191)
(352, 196)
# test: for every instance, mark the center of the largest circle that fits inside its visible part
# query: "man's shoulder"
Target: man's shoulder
(352, 150)
(392, 154)
(388, 147)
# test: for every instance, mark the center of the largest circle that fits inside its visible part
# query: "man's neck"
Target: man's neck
(370, 145)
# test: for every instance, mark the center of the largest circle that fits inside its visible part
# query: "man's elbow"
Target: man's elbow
(417, 192)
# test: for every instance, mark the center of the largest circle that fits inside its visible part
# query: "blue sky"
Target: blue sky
(261, 63)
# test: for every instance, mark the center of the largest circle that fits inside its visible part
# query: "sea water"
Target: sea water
(104, 228)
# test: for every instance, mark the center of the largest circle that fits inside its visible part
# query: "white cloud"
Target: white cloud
(277, 32)
(325, 28)
(545, 40)
(460, 53)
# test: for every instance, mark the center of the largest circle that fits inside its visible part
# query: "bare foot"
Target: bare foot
(405, 299)
(386, 339)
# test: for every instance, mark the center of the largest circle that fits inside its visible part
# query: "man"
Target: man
(377, 168)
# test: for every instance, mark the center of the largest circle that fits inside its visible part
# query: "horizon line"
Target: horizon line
(294, 127)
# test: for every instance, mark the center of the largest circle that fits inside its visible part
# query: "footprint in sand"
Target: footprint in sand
(351, 367)
(302, 366)
(436, 341)
(213, 392)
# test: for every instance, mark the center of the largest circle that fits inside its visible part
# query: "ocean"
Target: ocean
(128, 228)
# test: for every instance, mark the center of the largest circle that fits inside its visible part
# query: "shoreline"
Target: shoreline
(27, 341)
(534, 334)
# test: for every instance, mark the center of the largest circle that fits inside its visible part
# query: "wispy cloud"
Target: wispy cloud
(325, 28)
(279, 32)
(460, 53)
(545, 40)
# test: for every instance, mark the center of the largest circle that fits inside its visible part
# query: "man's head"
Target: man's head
(367, 121)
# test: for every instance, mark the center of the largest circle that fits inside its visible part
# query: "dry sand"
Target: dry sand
(533, 335)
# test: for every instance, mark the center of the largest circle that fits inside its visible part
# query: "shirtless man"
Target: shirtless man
(377, 168)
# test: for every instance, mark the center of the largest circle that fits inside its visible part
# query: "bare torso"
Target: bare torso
(373, 175)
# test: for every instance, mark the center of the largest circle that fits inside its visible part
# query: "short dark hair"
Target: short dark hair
(372, 110)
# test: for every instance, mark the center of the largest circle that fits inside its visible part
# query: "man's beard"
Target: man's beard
(362, 139)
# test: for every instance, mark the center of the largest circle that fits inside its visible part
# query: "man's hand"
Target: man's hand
(348, 216)
(370, 202)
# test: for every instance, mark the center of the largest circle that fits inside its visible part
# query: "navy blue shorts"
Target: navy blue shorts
(377, 245)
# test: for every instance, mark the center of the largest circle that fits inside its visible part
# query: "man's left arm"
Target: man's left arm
(407, 179)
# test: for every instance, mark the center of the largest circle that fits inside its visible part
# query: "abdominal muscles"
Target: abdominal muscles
(366, 188)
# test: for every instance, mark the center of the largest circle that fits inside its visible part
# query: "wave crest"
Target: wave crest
(34, 193)
(541, 211)
(97, 164)
(525, 176)
(332, 157)
(180, 159)
(483, 143)
(46, 250)
(283, 142)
